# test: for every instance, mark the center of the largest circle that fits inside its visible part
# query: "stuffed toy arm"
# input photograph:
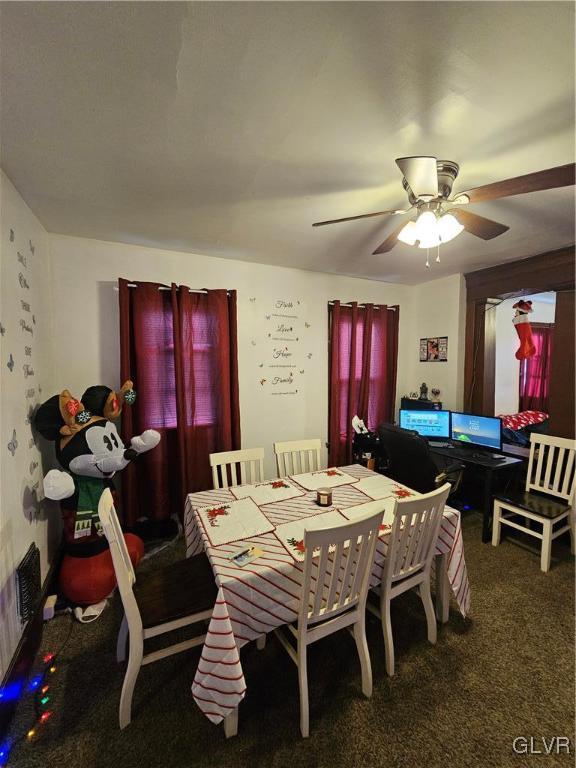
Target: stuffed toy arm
(146, 441)
(58, 485)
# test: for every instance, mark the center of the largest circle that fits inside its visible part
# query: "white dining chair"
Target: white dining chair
(173, 597)
(251, 461)
(334, 589)
(408, 562)
(297, 456)
(548, 497)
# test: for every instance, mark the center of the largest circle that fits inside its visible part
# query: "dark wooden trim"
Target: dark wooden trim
(552, 271)
(562, 373)
(27, 648)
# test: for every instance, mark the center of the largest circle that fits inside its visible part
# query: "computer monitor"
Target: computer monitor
(435, 425)
(484, 431)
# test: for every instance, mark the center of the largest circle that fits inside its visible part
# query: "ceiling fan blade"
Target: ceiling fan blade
(390, 241)
(551, 178)
(421, 173)
(478, 225)
(361, 216)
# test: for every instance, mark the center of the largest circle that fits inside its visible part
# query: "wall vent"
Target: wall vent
(29, 583)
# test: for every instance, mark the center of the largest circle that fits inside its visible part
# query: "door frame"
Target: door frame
(551, 271)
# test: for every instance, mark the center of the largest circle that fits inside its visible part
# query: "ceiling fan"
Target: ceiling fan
(428, 184)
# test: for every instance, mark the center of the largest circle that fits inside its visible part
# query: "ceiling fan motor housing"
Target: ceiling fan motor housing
(447, 173)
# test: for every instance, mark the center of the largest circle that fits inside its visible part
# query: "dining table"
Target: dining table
(262, 595)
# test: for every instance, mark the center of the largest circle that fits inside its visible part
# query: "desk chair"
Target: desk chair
(297, 456)
(333, 596)
(548, 498)
(408, 563)
(173, 597)
(227, 461)
(409, 461)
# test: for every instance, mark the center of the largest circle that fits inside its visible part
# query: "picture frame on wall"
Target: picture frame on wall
(434, 349)
(443, 349)
(423, 350)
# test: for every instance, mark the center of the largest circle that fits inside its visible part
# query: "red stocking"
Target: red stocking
(524, 331)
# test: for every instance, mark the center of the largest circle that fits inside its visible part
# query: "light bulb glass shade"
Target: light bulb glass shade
(427, 226)
(427, 230)
(448, 227)
(429, 242)
(409, 233)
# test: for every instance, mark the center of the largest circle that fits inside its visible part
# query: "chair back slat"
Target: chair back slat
(412, 540)
(225, 467)
(335, 575)
(342, 576)
(561, 458)
(349, 562)
(567, 483)
(294, 457)
(362, 565)
(321, 575)
(553, 472)
(549, 465)
(123, 569)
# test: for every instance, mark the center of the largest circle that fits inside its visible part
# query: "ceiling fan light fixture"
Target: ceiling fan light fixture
(430, 242)
(449, 227)
(409, 233)
(427, 228)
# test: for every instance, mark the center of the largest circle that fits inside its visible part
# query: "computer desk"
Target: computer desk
(490, 470)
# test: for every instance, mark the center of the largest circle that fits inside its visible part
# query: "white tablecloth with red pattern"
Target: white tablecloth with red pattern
(255, 599)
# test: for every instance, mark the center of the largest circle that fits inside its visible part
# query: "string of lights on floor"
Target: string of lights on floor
(38, 686)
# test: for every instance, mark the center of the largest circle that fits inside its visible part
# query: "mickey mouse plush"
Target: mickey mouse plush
(523, 329)
(89, 447)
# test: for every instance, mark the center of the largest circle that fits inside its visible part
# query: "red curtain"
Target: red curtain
(535, 370)
(363, 363)
(180, 349)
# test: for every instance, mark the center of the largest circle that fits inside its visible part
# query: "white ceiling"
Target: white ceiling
(228, 128)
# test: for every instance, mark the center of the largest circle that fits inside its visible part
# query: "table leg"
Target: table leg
(442, 589)
(231, 724)
(487, 512)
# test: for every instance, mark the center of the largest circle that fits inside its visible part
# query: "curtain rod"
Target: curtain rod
(376, 306)
(167, 288)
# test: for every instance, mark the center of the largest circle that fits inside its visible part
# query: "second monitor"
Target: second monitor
(430, 424)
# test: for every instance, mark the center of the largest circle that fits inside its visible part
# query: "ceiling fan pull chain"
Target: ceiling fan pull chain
(438, 254)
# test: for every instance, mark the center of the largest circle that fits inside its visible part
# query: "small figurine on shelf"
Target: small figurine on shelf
(435, 394)
(423, 392)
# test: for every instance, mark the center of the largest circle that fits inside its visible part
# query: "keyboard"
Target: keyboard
(465, 453)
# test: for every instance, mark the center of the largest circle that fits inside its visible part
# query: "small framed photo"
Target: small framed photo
(423, 350)
(443, 349)
(434, 349)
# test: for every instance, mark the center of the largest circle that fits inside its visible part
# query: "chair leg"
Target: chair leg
(231, 724)
(364, 655)
(546, 546)
(426, 597)
(261, 642)
(572, 522)
(496, 525)
(122, 640)
(303, 683)
(387, 631)
(134, 663)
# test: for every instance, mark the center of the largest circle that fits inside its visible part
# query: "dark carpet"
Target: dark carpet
(506, 672)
